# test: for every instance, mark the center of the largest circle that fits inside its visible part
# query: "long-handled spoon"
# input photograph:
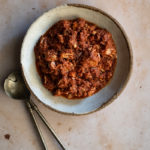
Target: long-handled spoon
(14, 87)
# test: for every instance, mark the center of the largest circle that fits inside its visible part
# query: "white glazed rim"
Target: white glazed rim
(129, 49)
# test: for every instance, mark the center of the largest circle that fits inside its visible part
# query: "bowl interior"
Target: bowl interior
(40, 26)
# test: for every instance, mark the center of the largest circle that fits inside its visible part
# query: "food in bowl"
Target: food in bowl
(75, 58)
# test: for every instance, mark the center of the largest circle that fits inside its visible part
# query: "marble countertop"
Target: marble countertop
(123, 125)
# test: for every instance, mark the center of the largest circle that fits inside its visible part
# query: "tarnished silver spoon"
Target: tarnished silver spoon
(14, 87)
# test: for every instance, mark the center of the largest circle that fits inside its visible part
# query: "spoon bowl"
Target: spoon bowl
(15, 88)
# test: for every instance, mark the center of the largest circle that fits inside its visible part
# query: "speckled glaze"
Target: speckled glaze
(104, 96)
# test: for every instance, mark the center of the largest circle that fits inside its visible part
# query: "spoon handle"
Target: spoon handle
(46, 123)
(36, 125)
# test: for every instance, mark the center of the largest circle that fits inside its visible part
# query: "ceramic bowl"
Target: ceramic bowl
(101, 98)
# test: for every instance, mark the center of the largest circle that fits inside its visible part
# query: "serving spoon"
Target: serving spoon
(15, 88)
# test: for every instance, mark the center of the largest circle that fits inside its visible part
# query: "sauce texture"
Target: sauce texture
(75, 58)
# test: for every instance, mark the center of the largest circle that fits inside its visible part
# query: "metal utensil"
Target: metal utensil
(14, 87)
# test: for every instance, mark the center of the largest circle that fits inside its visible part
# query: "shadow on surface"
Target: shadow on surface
(10, 57)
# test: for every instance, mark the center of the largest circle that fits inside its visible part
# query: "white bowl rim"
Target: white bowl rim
(129, 49)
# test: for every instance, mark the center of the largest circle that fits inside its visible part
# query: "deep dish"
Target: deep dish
(75, 58)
